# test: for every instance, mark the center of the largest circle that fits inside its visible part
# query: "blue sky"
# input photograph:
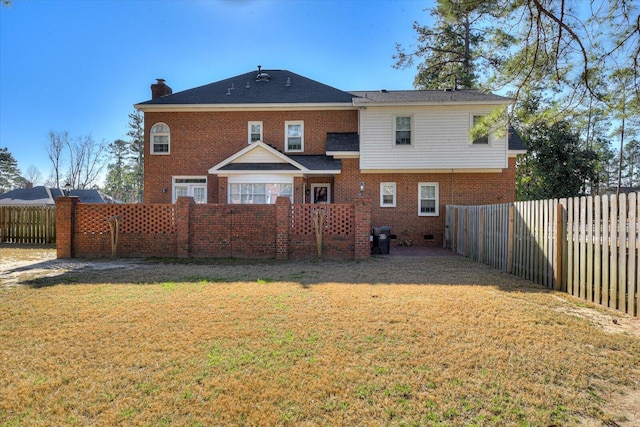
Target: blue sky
(80, 65)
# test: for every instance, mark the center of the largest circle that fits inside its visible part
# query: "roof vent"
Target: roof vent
(262, 77)
(288, 82)
(248, 86)
(383, 90)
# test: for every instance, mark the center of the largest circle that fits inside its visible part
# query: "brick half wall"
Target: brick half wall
(186, 229)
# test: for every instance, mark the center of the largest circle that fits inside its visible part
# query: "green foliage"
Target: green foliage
(120, 181)
(556, 164)
(124, 180)
(451, 48)
(10, 177)
(136, 147)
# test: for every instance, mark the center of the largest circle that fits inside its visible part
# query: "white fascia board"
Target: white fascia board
(514, 153)
(344, 154)
(254, 172)
(153, 108)
(426, 104)
(323, 172)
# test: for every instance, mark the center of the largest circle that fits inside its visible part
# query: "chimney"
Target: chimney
(28, 185)
(160, 89)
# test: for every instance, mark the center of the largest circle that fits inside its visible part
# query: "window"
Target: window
(320, 193)
(481, 139)
(428, 199)
(387, 194)
(258, 193)
(160, 136)
(402, 129)
(255, 131)
(195, 187)
(294, 134)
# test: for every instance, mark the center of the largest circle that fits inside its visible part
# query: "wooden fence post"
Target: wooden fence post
(510, 240)
(454, 231)
(559, 239)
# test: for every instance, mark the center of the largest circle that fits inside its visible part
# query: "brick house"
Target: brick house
(269, 133)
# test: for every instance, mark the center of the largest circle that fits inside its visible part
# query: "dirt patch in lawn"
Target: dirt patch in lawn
(391, 341)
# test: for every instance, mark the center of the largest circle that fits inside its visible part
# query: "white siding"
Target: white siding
(440, 141)
(259, 155)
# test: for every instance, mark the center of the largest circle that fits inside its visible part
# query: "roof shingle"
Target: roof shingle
(283, 87)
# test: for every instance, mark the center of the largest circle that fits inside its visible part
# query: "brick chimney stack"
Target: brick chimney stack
(28, 185)
(160, 89)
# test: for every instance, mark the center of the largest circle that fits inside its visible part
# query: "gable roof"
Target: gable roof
(262, 157)
(404, 97)
(282, 87)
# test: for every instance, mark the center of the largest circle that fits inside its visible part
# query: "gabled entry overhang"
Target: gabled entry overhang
(262, 158)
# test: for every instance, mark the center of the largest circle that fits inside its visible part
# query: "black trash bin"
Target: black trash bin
(381, 239)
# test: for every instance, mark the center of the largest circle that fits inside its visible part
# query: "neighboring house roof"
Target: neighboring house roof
(404, 97)
(281, 87)
(625, 190)
(46, 196)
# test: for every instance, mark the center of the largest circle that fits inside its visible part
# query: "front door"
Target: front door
(320, 193)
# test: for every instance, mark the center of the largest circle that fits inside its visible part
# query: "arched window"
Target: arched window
(160, 138)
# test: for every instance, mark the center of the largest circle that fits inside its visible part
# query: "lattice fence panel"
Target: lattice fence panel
(139, 219)
(339, 219)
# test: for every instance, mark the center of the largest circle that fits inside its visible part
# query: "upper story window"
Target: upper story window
(482, 139)
(387, 194)
(294, 135)
(255, 132)
(160, 139)
(428, 199)
(402, 129)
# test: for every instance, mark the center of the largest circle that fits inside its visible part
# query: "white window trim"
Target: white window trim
(286, 136)
(249, 131)
(437, 197)
(411, 129)
(387, 205)
(190, 186)
(152, 144)
(471, 139)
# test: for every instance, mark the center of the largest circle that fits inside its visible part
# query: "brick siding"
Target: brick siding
(405, 223)
(200, 140)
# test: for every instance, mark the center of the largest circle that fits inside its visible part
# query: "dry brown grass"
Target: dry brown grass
(392, 341)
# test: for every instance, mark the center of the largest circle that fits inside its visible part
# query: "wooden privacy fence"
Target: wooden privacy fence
(585, 246)
(28, 224)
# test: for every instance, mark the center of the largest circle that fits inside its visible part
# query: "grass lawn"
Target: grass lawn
(440, 341)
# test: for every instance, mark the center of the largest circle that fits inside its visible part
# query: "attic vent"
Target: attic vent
(262, 77)
(288, 82)
(383, 90)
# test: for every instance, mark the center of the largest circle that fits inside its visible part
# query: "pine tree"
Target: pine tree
(10, 177)
(136, 148)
